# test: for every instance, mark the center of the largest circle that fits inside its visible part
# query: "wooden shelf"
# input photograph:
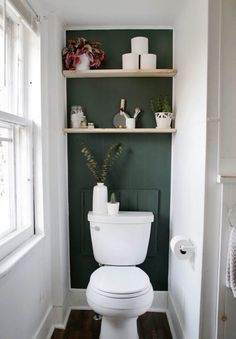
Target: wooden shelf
(119, 130)
(120, 73)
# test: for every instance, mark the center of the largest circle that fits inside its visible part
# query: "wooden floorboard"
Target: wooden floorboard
(81, 325)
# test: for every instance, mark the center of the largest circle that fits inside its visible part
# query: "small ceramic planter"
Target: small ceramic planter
(163, 119)
(113, 208)
(130, 123)
(84, 63)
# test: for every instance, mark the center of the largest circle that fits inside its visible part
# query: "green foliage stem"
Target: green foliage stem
(101, 173)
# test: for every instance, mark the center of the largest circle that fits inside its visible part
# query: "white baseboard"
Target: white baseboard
(57, 316)
(173, 319)
(77, 300)
(45, 327)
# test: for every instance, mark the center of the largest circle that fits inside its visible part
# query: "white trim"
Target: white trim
(57, 316)
(173, 319)
(226, 179)
(45, 329)
(85, 28)
(77, 300)
(14, 119)
(7, 264)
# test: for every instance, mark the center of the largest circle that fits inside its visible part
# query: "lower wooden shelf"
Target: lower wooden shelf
(119, 130)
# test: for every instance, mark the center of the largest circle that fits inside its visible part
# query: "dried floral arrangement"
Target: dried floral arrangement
(101, 172)
(75, 48)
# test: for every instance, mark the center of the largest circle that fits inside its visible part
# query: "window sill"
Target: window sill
(13, 258)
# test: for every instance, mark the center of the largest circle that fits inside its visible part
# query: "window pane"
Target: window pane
(7, 215)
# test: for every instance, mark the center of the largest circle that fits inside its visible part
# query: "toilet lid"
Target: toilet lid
(119, 280)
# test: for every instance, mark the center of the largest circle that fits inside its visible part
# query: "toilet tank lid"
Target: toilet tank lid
(123, 217)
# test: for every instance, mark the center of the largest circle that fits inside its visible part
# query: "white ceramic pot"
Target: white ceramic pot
(113, 208)
(130, 122)
(84, 63)
(100, 198)
(162, 120)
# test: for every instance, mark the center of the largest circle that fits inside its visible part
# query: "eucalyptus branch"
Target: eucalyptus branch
(111, 156)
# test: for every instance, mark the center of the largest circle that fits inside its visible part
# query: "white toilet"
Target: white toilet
(119, 291)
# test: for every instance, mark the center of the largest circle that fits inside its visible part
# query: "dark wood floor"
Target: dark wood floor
(81, 325)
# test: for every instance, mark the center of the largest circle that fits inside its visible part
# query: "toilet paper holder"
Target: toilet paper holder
(182, 247)
(185, 248)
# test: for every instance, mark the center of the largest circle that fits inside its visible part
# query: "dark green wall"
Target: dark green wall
(141, 176)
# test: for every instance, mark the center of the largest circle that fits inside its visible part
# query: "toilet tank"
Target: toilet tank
(120, 239)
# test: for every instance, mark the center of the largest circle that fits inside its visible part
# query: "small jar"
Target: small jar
(76, 116)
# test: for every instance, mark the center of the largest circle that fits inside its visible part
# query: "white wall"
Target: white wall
(228, 88)
(209, 305)
(57, 161)
(188, 164)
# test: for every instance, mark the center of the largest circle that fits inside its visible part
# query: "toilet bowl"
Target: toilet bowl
(119, 290)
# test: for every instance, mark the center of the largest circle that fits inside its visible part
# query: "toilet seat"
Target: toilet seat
(120, 282)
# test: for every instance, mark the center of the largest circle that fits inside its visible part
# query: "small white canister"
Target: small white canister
(148, 61)
(139, 45)
(130, 61)
(130, 123)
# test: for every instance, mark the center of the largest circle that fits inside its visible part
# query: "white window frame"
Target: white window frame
(18, 236)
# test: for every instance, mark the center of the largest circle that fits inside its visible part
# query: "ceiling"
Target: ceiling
(113, 13)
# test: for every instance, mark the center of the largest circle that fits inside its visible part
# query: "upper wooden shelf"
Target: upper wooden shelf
(119, 130)
(120, 73)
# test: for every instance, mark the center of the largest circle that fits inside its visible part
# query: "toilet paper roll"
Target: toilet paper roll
(181, 247)
(139, 45)
(130, 61)
(148, 61)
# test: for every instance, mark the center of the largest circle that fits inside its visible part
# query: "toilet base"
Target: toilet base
(118, 328)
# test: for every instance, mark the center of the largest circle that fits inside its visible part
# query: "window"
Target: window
(16, 165)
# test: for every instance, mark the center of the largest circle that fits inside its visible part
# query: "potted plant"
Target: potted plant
(162, 110)
(100, 173)
(82, 54)
(113, 205)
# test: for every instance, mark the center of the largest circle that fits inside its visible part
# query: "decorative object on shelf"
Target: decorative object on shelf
(77, 52)
(162, 120)
(90, 125)
(139, 52)
(139, 45)
(100, 174)
(148, 61)
(131, 122)
(113, 205)
(84, 122)
(119, 118)
(100, 198)
(84, 63)
(162, 111)
(76, 117)
(130, 61)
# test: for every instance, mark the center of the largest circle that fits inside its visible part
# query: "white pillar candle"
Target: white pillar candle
(139, 45)
(130, 61)
(148, 61)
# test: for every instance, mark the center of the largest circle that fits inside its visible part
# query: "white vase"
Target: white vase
(84, 63)
(100, 198)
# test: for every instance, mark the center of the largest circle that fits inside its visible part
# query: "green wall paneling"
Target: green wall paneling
(143, 171)
(117, 42)
(142, 178)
